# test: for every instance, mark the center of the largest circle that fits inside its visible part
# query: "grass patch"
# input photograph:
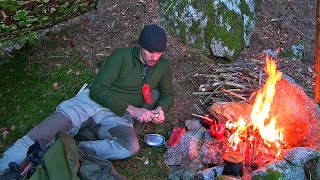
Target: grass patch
(32, 86)
(136, 166)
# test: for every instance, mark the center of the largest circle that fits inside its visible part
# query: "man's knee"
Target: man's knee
(133, 148)
(45, 132)
(126, 136)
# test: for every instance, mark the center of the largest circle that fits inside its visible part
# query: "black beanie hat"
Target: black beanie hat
(153, 38)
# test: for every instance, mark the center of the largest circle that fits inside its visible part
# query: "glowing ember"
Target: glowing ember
(260, 122)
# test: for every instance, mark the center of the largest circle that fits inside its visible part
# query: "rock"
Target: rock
(280, 169)
(312, 168)
(186, 171)
(209, 173)
(193, 124)
(225, 27)
(295, 53)
(187, 149)
(230, 111)
(297, 114)
(299, 156)
(270, 52)
(211, 150)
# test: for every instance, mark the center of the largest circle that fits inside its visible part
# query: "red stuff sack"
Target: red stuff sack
(176, 135)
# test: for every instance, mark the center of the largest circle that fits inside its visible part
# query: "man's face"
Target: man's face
(150, 58)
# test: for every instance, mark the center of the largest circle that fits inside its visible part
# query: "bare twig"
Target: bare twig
(208, 98)
(203, 117)
(233, 94)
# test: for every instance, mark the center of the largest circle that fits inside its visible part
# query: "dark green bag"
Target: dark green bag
(64, 160)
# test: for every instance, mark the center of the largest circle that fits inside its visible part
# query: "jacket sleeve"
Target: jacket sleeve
(166, 90)
(100, 88)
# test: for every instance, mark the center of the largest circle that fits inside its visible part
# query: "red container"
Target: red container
(217, 130)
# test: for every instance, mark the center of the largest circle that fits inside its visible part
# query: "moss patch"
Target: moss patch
(271, 175)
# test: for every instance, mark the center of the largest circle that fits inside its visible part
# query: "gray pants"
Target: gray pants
(116, 136)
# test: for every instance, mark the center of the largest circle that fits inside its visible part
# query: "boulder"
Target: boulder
(211, 150)
(297, 114)
(223, 26)
(279, 169)
(225, 111)
(186, 150)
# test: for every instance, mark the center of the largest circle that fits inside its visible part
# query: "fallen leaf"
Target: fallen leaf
(12, 128)
(141, 1)
(57, 65)
(3, 129)
(77, 73)
(101, 55)
(55, 85)
(5, 133)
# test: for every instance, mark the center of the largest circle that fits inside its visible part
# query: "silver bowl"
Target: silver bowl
(154, 139)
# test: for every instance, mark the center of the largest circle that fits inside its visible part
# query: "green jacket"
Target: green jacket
(120, 79)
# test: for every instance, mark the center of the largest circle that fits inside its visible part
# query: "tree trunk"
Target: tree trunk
(317, 58)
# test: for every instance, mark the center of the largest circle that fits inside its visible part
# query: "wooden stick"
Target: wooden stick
(208, 98)
(201, 93)
(236, 85)
(260, 77)
(206, 118)
(233, 94)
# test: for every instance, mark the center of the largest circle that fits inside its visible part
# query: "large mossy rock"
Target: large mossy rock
(224, 26)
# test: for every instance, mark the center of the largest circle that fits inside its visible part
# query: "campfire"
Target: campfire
(256, 120)
(258, 135)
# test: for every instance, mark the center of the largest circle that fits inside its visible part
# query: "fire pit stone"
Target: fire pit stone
(299, 156)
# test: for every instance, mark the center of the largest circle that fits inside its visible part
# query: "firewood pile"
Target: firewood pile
(231, 82)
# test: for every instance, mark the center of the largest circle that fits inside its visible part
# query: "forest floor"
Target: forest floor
(94, 35)
(279, 25)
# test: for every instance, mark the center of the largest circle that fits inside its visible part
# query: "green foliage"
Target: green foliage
(9, 45)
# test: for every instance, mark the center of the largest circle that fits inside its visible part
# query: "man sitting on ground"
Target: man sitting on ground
(133, 86)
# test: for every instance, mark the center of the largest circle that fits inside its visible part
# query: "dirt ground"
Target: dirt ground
(117, 23)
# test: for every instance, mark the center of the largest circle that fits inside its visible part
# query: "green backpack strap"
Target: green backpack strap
(71, 153)
(61, 161)
(95, 168)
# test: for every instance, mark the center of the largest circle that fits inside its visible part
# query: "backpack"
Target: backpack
(64, 160)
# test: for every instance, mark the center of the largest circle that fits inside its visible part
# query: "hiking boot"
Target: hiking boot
(16, 153)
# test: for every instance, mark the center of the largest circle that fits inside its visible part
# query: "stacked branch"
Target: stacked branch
(231, 82)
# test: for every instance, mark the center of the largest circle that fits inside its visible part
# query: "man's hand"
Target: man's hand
(158, 115)
(141, 114)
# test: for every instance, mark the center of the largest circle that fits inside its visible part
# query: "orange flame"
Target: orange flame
(260, 120)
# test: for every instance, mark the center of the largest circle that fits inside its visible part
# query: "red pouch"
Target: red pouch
(176, 135)
(146, 93)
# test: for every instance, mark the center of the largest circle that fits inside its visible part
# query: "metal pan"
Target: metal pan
(154, 139)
